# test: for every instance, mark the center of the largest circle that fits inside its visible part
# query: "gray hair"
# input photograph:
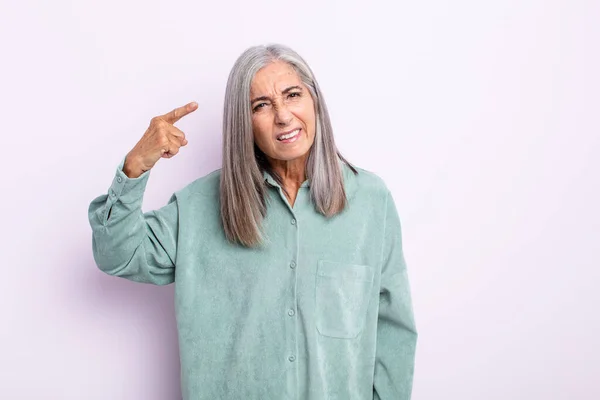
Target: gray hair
(243, 190)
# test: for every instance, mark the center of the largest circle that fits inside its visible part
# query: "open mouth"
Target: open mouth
(290, 136)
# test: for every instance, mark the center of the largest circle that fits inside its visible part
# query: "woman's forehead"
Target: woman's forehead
(274, 78)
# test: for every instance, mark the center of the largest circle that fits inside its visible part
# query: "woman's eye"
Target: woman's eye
(294, 94)
(259, 106)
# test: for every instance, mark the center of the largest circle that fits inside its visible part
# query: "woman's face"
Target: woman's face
(281, 104)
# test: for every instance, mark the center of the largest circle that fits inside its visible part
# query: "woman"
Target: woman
(290, 277)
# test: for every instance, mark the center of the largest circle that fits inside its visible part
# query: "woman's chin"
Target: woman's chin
(290, 154)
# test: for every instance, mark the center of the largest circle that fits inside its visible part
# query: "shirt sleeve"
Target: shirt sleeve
(396, 330)
(128, 243)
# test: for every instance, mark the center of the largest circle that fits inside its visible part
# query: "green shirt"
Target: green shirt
(322, 312)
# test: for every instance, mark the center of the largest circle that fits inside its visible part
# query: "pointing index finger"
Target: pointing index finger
(176, 114)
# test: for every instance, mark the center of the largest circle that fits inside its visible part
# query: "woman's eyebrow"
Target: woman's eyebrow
(260, 98)
(291, 88)
(286, 90)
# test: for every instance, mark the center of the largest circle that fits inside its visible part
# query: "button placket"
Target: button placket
(293, 305)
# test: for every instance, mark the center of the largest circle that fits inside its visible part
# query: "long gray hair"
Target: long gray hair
(243, 191)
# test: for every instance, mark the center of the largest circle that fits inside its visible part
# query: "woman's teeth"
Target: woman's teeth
(289, 135)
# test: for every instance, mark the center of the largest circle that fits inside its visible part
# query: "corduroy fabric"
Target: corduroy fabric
(322, 312)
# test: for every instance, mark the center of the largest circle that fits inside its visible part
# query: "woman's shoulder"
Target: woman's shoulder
(206, 185)
(365, 181)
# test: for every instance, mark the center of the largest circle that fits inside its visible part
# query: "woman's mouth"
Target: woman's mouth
(289, 137)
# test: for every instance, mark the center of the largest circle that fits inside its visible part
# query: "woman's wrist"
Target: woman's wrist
(131, 168)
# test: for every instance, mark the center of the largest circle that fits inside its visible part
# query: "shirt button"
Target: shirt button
(293, 222)
(119, 179)
(291, 358)
(291, 312)
(293, 264)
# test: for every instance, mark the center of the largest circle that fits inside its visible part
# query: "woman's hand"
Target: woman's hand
(161, 140)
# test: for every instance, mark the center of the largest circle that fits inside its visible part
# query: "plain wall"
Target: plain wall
(481, 116)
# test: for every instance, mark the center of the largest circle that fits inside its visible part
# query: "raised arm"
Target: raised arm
(126, 242)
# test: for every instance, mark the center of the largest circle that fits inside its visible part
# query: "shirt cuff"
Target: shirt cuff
(127, 189)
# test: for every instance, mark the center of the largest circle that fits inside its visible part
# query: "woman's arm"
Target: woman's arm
(126, 242)
(396, 330)
(130, 244)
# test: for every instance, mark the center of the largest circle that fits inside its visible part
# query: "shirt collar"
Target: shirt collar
(269, 179)
(347, 174)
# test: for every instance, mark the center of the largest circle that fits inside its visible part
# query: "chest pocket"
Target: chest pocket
(342, 298)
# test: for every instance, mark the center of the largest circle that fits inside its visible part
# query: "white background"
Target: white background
(481, 116)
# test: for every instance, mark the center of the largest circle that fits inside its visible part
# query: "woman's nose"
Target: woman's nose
(283, 116)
